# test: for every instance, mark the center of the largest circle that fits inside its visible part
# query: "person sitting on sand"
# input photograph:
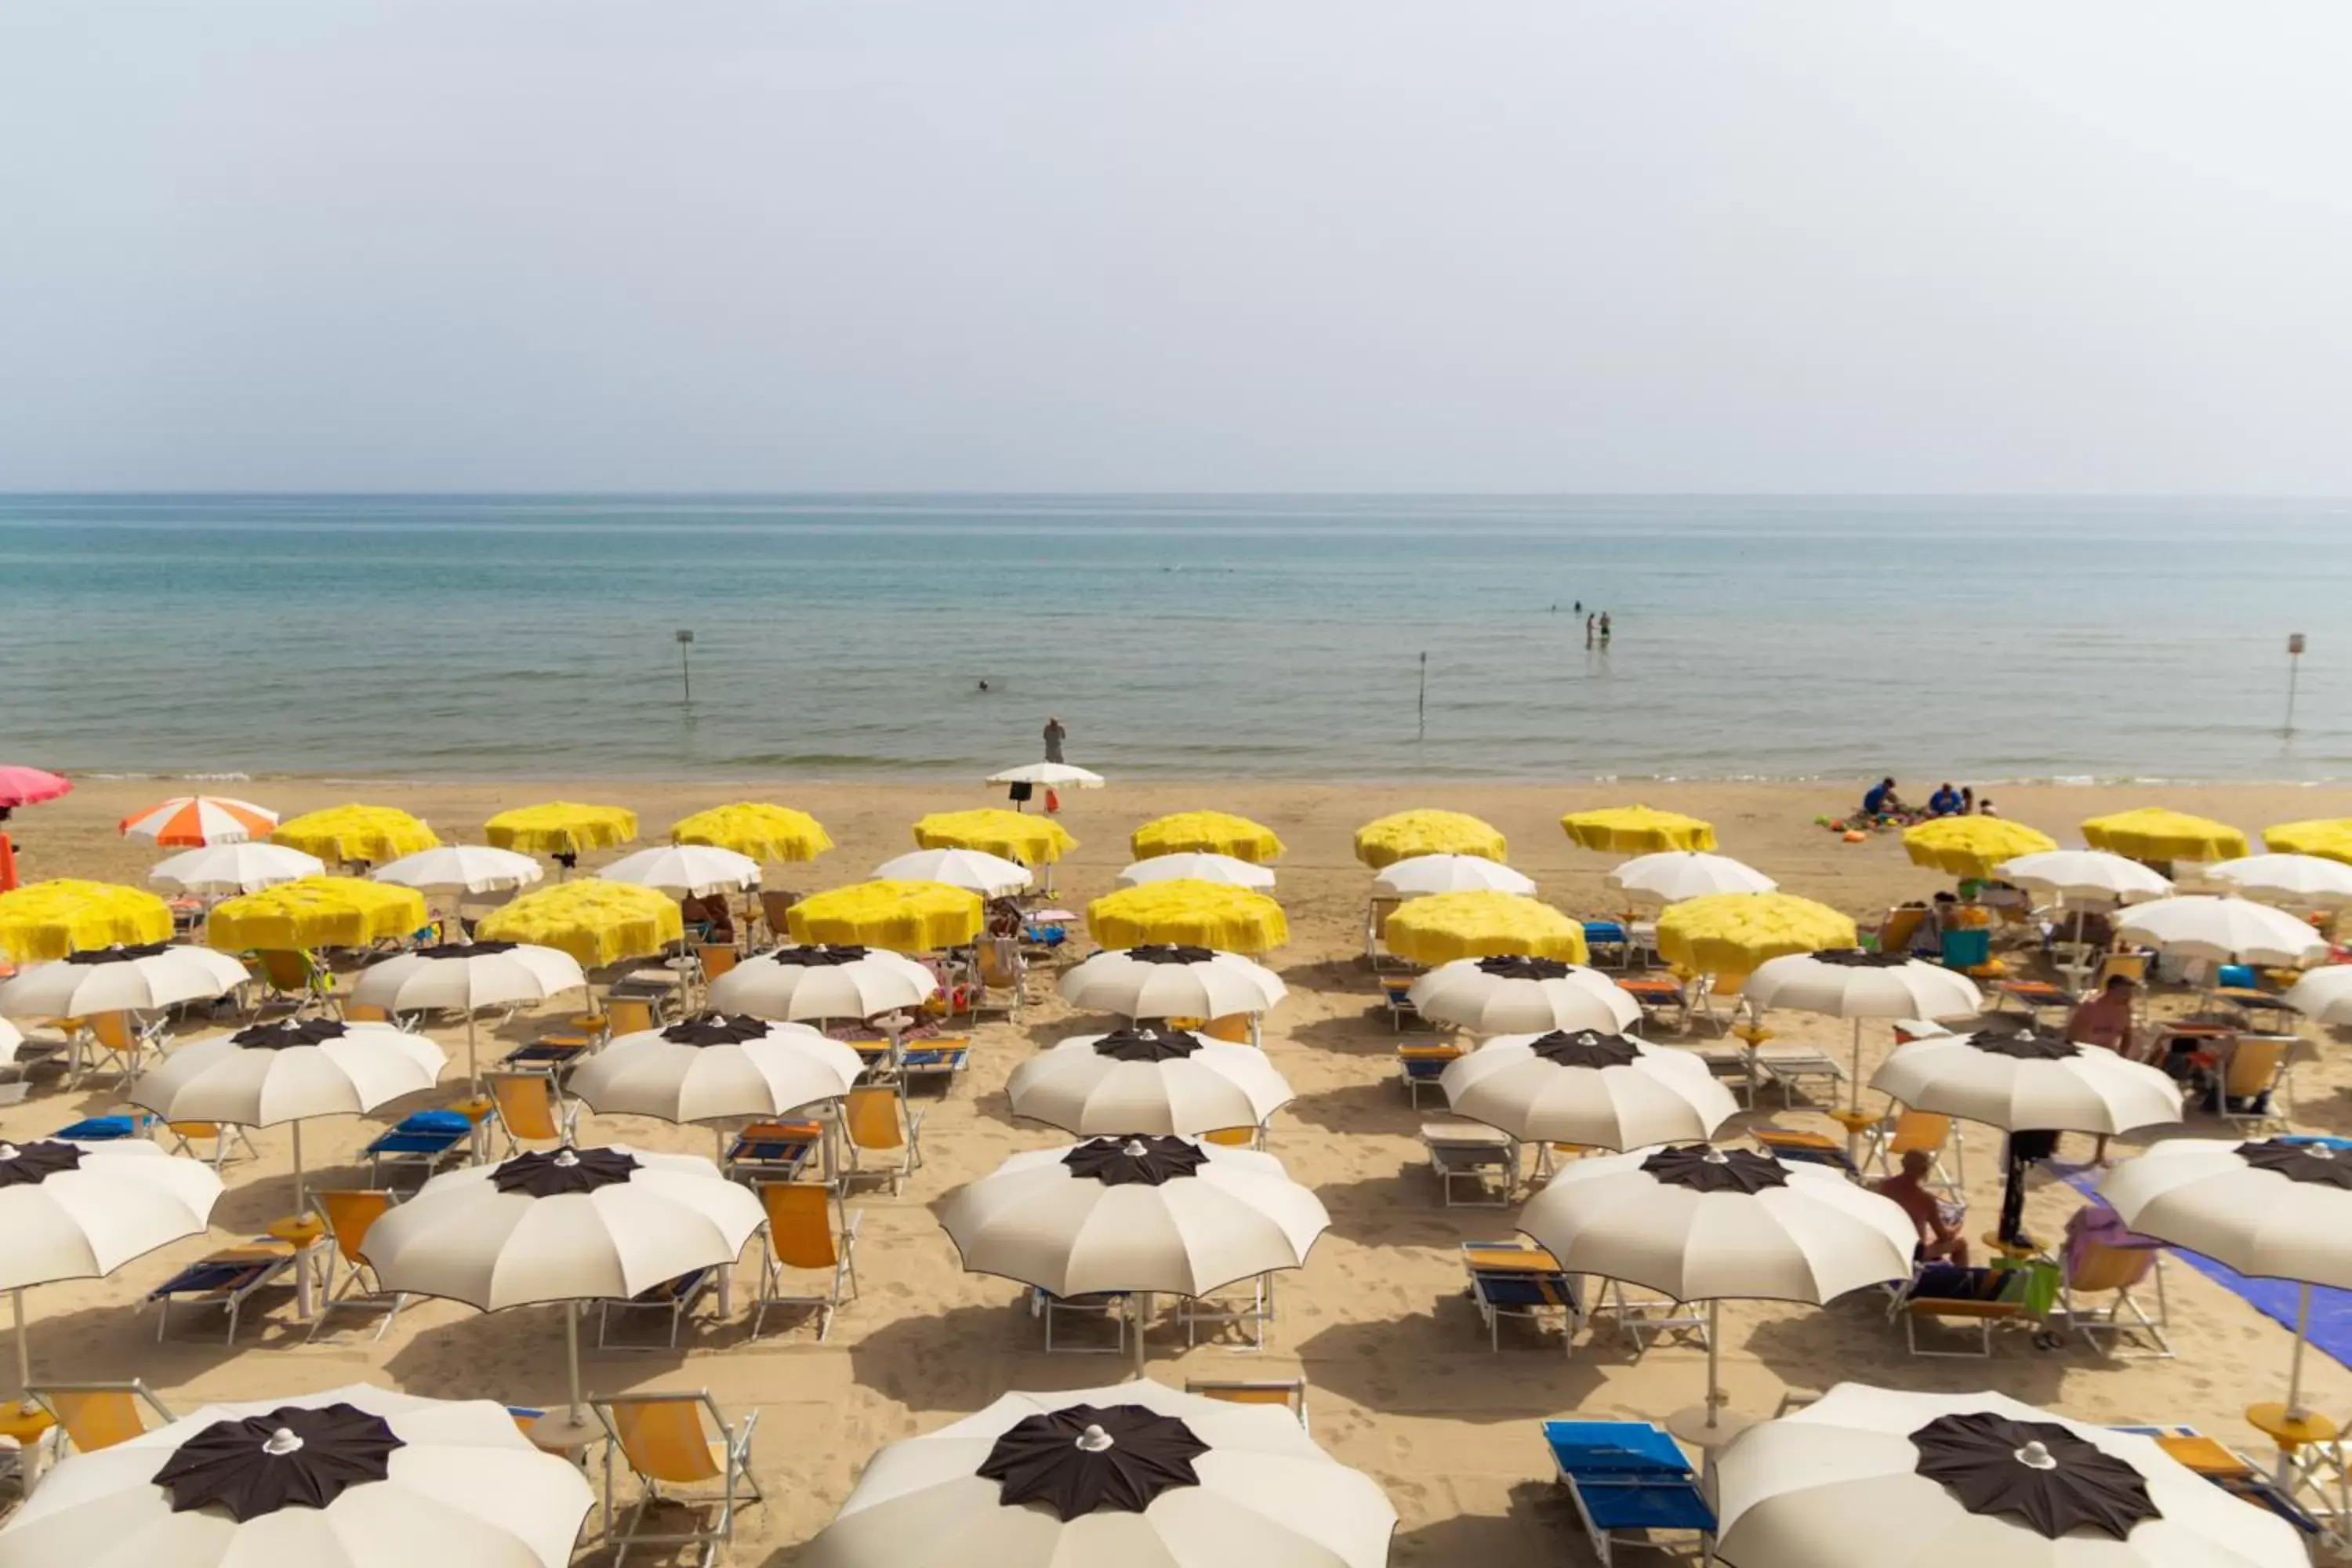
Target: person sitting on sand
(1984, 807)
(1881, 804)
(1945, 802)
(1938, 1242)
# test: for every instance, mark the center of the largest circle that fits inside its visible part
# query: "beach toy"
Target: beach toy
(1637, 830)
(371, 833)
(2154, 833)
(1012, 834)
(560, 828)
(1407, 834)
(1443, 927)
(755, 828)
(1856, 836)
(50, 920)
(905, 916)
(597, 922)
(1206, 833)
(315, 911)
(1188, 913)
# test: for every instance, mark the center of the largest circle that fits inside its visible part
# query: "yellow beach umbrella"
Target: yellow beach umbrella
(1731, 934)
(1971, 846)
(905, 916)
(1637, 830)
(1206, 833)
(1009, 835)
(2330, 838)
(2154, 833)
(768, 833)
(1188, 913)
(597, 922)
(1407, 834)
(1443, 927)
(376, 834)
(316, 911)
(559, 827)
(50, 920)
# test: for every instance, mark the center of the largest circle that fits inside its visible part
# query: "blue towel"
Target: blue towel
(99, 1129)
(435, 1121)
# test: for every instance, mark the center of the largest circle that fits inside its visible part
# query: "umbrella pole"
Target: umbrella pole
(473, 1066)
(25, 1349)
(571, 1362)
(299, 1208)
(1853, 1098)
(1143, 1300)
(1714, 1361)
(2294, 1368)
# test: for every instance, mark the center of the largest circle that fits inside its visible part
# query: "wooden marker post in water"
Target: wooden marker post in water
(2293, 662)
(1421, 711)
(686, 662)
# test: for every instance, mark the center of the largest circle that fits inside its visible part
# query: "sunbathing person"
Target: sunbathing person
(1938, 1242)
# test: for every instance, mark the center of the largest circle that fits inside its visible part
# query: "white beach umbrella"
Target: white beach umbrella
(2076, 874)
(240, 868)
(822, 981)
(1866, 1476)
(973, 871)
(714, 1068)
(1144, 1079)
(2323, 995)
(2298, 881)
(353, 1478)
(1164, 980)
(1702, 1224)
(1134, 1215)
(1521, 995)
(2223, 930)
(577, 1225)
(1049, 775)
(1601, 1089)
(2278, 1209)
(120, 979)
(290, 1071)
(1134, 1474)
(80, 1211)
(465, 977)
(697, 869)
(1675, 875)
(1852, 983)
(1223, 870)
(201, 820)
(1422, 875)
(461, 868)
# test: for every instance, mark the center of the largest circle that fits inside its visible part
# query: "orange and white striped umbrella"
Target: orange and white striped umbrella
(200, 819)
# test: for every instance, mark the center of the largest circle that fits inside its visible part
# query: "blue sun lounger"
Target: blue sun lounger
(105, 1128)
(1625, 1477)
(226, 1279)
(423, 1139)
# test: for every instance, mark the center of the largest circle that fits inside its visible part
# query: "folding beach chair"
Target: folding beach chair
(684, 1454)
(551, 1055)
(799, 1234)
(1625, 1477)
(1520, 1280)
(1002, 984)
(2252, 1091)
(292, 977)
(2229, 1470)
(224, 1136)
(227, 1280)
(1794, 1068)
(1237, 1137)
(1980, 1298)
(1421, 1067)
(713, 959)
(672, 1300)
(1610, 944)
(1376, 933)
(773, 1150)
(1657, 995)
(420, 1141)
(1469, 1153)
(2118, 1272)
(1234, 1028)
(1804, 1149)
(347, 1214)
(625, 1015)
(118, 1041)
(1903, 1132)
(880, 1121)
(1247, 1304)
(1289, 1393)
(776, 913)
(95, 1416)
(1100, 1306)
(529, 1108)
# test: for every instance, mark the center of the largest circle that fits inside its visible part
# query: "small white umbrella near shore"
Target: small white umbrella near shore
(245, 868)
(1144, 1079)
(1189, 865)
(1517, 995)
(1420, 876)
(461, 868)
(973, 871)
(695, 869)
(1673, 874)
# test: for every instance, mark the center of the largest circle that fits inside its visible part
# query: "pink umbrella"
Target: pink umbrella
(27, 786)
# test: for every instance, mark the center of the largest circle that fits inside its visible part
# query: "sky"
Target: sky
(1136, 245)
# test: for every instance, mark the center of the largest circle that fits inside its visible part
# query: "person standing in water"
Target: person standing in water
(1605, 629)
(1055, 735)
(1588, 631)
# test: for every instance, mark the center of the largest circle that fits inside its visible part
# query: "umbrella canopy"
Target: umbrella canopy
(50, 920)
(560, 828)
(597, 922)
(289, 1071)
(316, 911)
(1047, 775)
(1191, 866)
(1147, 1080)
(2223, 930)
(1013, 834)
(1200, 914)
(120, 979)
(822, 981)
(2093, 874)
(1170, 981)
(1865, 1477)
(691, 869)
(1847, 983)
(1407, 834)
(1733, 934)
(462, 868)
(1206, 833)
(21, 785)
(1132, 1473)
(374, 833)
(2324, 996)
(200, 819)
(753, 827)
(973, 871)
(2329, 838)
(234, 868)
(2022, 1081)
(1972, 846)
(465, 977)
(1604, 1090)
(1520, 995)
(1446, 926)
(1422, 875)
(2155, 833)
(1637, 830)
(1679, 874)
(353, 1478)
(714, 1066)
(2298, 881)
(905, 916)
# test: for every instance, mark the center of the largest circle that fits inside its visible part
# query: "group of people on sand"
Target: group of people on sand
(1881, 806)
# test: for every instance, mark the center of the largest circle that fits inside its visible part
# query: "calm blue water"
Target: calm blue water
(1781, 637)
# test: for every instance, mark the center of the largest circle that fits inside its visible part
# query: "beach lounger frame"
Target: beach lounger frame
(676, 1297)
(2109, 1271)
(1475, 1155)
(1625, 1477)
(1289, 1393)
(647, 1432)
(1528, 1294)
(1250, 1312)
(773, 1150)
(1657, 995)
(116, 1406)
(2232, 1471)
(353, 1210)
(1654, 1313)
(1106, 1305)
(798, 1233)
(226, 1279)
(1420, 1066)
(409, 1144)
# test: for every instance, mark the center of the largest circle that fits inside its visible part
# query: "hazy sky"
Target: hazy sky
(1677, 245)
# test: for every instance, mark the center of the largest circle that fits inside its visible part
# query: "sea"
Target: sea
(1340, 638)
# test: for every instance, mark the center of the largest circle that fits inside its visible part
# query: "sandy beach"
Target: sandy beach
(1401, 1382)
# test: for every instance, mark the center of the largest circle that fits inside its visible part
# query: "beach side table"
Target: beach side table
(306, 1234)
(2306, 1448)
